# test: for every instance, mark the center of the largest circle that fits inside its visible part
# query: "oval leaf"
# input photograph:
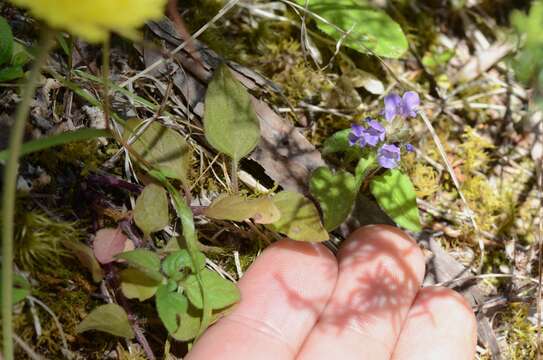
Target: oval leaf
(108, 243)
(220, 292)
(238, 208)
(170, 305)
(142, 259)
(336, 194)
(147, 262)
(161, 147)
(395, 194)
(371, 30)
(151, 211)
(136, 284)
(189, 324)
(181, 259)
(6, 41)
(109, 318)
(230, 122)
(300, 219)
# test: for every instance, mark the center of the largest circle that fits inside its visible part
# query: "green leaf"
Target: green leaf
(170, 306)
(300, 219)
(179, 260)
(11, 73)
(137, 284)
(220, 292)
(336, 194)
(6, 41)
(339, 142)
(238, 208)
(363, 168)
(109, 318)
(371, 30)
(162, 148)
(189, 324)
(145, 261)
(55, 140)
(395, 194)
(20, 56)
(151, 211)
(141, 258)
(230, 123)
(85, 255)
(21, 288)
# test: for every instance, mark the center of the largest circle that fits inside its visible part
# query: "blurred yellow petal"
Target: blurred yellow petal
(92, 20)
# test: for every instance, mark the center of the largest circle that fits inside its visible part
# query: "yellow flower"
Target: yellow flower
(94, 19)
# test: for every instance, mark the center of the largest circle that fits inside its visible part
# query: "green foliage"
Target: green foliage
(151, 211)
(230, 122)
(138, 284)
(6, 42)
(339, 142)
(371, 30)
(56, 140)
(221, 292)
(395, 194)
(170, 306)
(146, 261)
(21, 288)
(180, 260)
(238, 208)
(109, 318)
(300, 219)
(529, 61)
(336, 194)
(12, 55)
(160, 148)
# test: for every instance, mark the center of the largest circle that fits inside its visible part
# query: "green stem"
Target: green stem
(105, 79)
(191, 238)
(10, 188)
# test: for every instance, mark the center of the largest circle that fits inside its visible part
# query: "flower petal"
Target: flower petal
(392, 103)
(410, 103)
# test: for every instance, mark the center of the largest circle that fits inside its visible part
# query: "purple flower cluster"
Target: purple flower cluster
(388, 155)
(404, 107)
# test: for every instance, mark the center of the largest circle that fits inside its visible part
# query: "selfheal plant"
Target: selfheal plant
(370, 136)
(378, 146)
(404, 106)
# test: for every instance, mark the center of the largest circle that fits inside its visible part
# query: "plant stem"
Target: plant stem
(234, 176)
(105, 79)
(10, 188)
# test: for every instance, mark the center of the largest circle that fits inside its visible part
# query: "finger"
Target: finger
(380, 272)
(282, 296)
(440, 325)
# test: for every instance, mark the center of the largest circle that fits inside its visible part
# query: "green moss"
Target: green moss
(520, 334)
(39, 239)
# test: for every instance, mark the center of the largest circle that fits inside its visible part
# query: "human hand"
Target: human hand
(299, 302)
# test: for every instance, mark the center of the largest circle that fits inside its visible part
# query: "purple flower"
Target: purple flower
(374, 133)
(357, 135)
(388, 156)
(404, 107)
(409, 148)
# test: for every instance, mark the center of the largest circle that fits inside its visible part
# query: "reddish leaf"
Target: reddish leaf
(109, 242)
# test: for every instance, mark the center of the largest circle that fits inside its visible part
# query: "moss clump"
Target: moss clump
(520, 335)
(39, 241)
(483, 198)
